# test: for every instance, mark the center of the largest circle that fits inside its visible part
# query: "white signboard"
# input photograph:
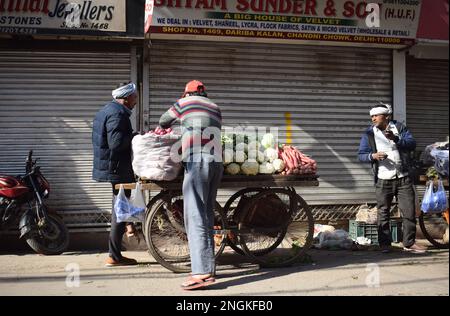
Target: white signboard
(379, 22)
(62, 16)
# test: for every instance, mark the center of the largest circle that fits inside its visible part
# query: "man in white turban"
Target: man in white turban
(387, 145)
(111, 137)
(126, 95)
(124, 91)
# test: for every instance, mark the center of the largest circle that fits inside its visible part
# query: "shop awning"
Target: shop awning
(433, 22)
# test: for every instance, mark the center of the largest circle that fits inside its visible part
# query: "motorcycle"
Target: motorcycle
(21, 200)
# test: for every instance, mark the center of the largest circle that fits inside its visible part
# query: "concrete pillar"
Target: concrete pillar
(399, 85)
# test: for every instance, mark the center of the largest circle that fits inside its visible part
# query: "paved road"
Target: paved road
(338, 272)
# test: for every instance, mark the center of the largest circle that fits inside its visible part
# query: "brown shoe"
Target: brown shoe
(110, 262)
(415, 248)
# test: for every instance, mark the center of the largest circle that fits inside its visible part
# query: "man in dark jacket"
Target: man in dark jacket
(111, 137)
(386, 145)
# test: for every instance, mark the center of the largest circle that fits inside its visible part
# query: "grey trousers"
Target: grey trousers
(385, 192)
(201, 181)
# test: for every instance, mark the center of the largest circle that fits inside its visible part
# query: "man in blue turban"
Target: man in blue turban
(111, 137)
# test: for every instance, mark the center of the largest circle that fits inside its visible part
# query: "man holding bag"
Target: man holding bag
(386, 145)
(111, 137)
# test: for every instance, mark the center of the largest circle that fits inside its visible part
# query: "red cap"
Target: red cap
(193, 86)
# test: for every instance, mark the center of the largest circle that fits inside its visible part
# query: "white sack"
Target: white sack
(151, 157)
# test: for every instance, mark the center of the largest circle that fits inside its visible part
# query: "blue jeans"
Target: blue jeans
(201, 181)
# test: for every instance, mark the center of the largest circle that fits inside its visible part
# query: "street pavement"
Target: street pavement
(324, 273)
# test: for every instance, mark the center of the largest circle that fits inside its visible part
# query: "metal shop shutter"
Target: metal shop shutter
(427, 100)
(48, 101)
(327, 90)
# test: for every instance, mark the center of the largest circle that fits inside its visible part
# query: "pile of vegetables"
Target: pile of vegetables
(160, 131)
(296, 162)
(243, 154)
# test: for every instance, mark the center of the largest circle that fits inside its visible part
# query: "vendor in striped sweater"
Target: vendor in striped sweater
(201, 122)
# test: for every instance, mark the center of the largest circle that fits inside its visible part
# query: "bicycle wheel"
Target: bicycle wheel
(229, 211)
(434, 227)
(285, 243)
(150, 204)
(165, 234)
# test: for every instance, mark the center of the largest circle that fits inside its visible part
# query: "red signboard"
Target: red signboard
(433, 22)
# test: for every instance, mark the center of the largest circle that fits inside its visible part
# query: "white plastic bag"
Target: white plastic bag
(125, 211)
(319, 228)
(137, 196)
(334, 239)
(151, 157)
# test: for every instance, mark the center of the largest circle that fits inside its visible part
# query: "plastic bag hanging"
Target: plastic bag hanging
(125, 211)
(137, 197)
(441, 197)
(434, 202)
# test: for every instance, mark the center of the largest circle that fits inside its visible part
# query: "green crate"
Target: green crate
(370, 231)
(396, 231)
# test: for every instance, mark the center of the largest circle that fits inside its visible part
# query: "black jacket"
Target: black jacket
(111, 137)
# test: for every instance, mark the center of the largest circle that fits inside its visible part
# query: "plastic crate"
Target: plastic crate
(370, 231)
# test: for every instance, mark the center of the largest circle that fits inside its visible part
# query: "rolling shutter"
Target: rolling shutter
(427, 100)
(49, 99)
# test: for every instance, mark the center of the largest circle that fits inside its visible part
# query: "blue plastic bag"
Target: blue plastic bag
(125, 211)
(434, 201)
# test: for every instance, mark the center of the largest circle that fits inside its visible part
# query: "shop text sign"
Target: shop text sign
(377, 22)
(62, 16)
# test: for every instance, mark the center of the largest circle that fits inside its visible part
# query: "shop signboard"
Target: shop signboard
(63, 17)
(382, 22)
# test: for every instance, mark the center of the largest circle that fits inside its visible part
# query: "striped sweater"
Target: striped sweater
(201, 122)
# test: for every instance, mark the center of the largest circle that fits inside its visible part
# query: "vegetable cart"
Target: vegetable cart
(265, 220)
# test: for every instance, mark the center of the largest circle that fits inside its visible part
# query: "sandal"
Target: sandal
(193, 283)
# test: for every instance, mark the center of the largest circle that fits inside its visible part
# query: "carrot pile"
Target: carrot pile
(295, 162)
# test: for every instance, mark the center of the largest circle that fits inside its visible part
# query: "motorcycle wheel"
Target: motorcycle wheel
(52, 239)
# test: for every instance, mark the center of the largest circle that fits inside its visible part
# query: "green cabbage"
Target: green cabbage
(250, 168)
(232, 168)
(278, 165)
(268, 140)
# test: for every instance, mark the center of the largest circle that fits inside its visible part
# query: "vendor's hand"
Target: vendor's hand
(379, 156)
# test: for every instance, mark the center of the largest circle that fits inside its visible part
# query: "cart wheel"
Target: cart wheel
(229, 209)
(150, 204)
(434, 227)
(165, 234)
(288, 240)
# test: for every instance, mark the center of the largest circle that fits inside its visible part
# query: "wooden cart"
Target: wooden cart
(279, 241)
